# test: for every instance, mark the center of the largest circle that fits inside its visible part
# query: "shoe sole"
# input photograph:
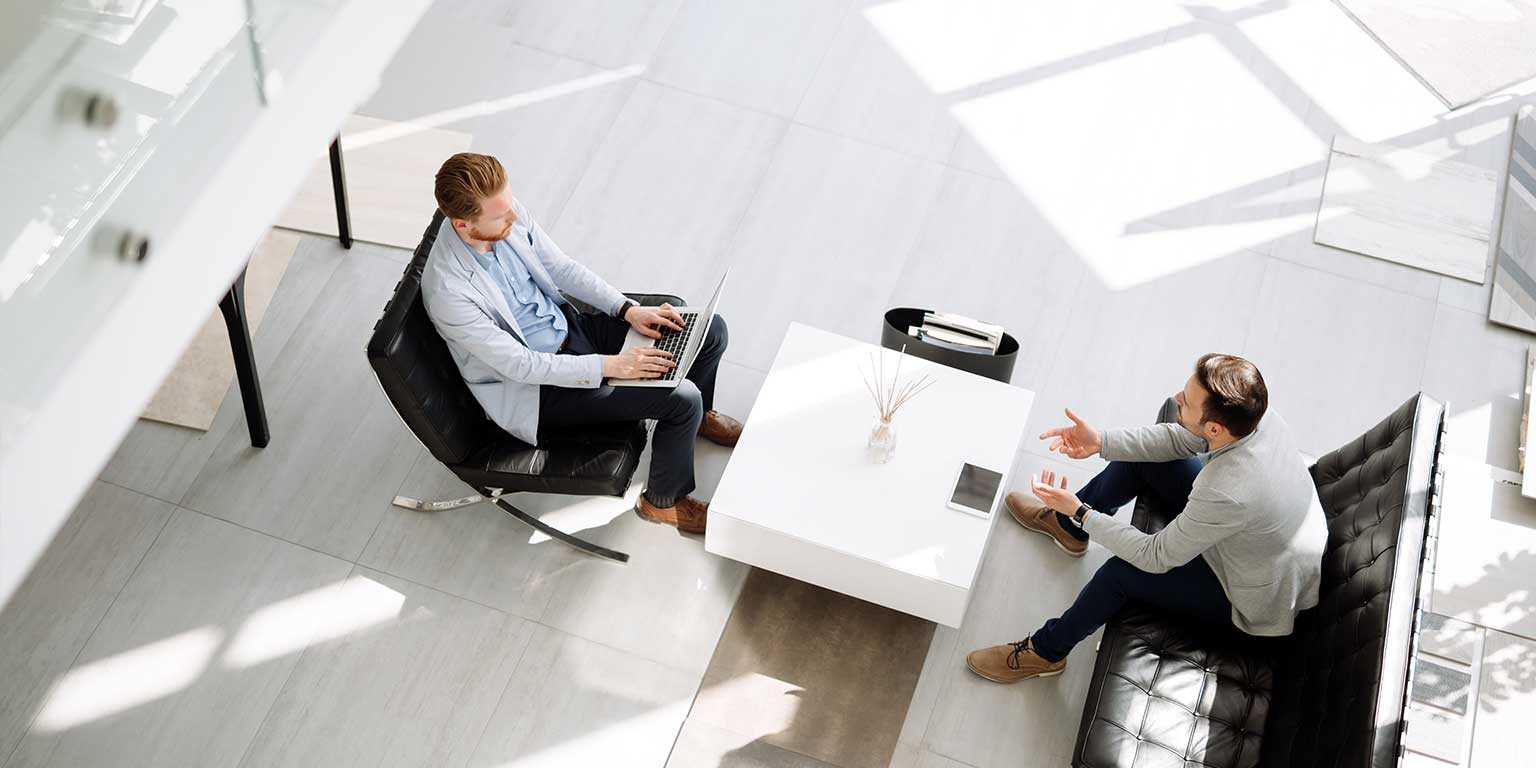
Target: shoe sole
(986, 676)
(1046, 534)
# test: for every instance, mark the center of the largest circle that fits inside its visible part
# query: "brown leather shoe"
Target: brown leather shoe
(1012, 662)
(1042, 520)
(720, 429)
(688, 515)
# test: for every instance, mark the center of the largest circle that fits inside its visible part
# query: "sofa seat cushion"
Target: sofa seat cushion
(1167, 694)
(599, 459)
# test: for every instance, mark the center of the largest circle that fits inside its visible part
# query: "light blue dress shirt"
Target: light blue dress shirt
(538, 315)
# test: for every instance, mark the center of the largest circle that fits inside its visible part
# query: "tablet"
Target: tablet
(976, 490)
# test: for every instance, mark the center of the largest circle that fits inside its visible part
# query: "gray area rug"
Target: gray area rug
(804, 676)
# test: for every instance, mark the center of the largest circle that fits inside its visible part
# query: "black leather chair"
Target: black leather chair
(423, 383)
(1168, 693)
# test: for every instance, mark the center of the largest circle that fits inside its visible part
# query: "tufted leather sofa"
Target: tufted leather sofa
(420, 379)
(1168, 693)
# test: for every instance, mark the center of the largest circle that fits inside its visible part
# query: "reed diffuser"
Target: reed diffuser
(889, 396)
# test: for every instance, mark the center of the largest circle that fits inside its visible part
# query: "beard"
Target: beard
(490, 237)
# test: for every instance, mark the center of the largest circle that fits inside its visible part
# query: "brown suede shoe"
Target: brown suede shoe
(1012, 662)
(1043, 520)
(720, 429)
(688, 515)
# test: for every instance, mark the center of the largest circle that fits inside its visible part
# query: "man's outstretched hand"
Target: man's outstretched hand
(1078, 441)
(650, 321)
(1053, 496)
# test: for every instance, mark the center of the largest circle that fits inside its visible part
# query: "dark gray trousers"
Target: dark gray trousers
(677, 410)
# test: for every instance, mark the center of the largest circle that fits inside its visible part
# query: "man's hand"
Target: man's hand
(1078, 441)
(650, 320)
(638, 363)
(1057, 498)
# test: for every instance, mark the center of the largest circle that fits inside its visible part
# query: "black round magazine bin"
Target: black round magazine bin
(997, 366)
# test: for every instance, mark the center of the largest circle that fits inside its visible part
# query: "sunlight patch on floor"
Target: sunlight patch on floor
(291, 625)
(129, 679)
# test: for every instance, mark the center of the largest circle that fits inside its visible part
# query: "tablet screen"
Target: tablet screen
(976, 488)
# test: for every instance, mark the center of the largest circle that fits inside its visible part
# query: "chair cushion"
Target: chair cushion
(598, 459)
(1165, 693)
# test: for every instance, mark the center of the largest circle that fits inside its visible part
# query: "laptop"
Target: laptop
(684, 345)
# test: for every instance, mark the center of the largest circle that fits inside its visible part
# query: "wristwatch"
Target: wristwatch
(1082, 511)
(624, 308)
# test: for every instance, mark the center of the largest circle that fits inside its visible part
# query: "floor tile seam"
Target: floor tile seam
(411, 442)
(1350, 278)
(404, 476)
(75, 660)
(1371, 283)
(699, 687)
(136, 491)
(279, 394)
(801, 123)
(522, 654)
(934, 750)
(278, 346)
(624, 652)
(578, 59)
(848, 13)
(1434, 305)
(754, 739)
(267, 534)
(287, 680)
(276, 395)
(793, 121)
(1058, 339)
(587, 158)
(747, 366)
(1434, 320)
(417, 583)
(1264, 283)
(733, 240)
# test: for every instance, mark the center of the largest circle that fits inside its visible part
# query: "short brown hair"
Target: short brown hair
(1236, 396)
(464, 180)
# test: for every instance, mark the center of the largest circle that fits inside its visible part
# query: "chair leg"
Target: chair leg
(494, 496)
(436, 506)
(579, 543)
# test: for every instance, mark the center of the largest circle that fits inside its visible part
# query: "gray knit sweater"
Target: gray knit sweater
(1253, 515)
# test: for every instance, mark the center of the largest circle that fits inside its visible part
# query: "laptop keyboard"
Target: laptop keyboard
(675, 342)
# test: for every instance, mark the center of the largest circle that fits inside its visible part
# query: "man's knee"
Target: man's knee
(1113, 574)
(719, 333)
(686, 401)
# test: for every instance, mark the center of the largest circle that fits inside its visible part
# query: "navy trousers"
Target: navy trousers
(1189, 590)
(677, 410)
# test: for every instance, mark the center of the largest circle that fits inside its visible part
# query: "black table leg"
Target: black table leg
(339, 192)
(233, 308)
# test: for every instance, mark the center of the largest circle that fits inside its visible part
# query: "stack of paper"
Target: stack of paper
(962, 334)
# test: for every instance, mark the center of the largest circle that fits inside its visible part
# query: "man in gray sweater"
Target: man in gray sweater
(1244, 548)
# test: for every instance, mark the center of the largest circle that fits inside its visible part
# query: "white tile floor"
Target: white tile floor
(1124, 183)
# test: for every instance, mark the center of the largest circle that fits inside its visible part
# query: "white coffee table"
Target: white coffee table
(800, 496)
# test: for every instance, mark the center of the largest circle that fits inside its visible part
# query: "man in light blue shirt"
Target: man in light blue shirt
(495, 287)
